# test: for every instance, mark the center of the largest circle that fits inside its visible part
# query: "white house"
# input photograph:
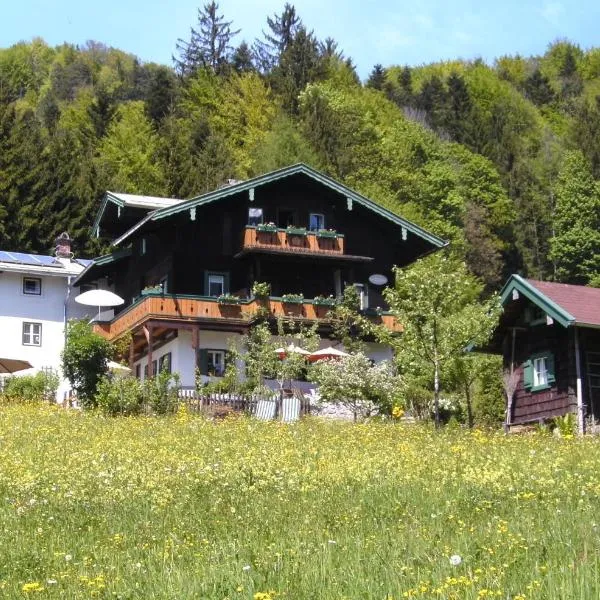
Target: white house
(36, 301)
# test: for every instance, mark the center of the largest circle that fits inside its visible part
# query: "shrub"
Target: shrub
(31, 388)
(84, 360)
(120, 395)
(160, 392)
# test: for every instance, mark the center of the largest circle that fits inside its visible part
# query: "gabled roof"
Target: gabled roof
(261, 180)
(565, 303)
(133, 201)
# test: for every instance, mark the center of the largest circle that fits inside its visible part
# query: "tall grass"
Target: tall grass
(186, 508)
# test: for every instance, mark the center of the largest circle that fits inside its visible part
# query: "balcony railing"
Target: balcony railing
(202, 309)
(293, 240)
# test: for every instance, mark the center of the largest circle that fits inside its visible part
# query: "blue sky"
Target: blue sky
(385, 31)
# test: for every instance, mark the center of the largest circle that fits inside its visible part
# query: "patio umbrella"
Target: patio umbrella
(12, 365)
(99, 298)
(327, 353)
(283, 352)
(116, 367)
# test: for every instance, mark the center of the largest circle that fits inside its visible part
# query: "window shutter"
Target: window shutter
(528, 374)
(203, 361)
(226, 288)
(550, 370)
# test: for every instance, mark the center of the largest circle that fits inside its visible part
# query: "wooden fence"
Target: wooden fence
(272, 406)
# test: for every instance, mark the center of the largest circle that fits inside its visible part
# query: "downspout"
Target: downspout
(580, 415)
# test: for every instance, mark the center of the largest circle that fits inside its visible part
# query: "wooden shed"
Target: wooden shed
(549, 337)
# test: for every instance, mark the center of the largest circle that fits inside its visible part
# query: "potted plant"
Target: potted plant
(324, 301)
(267, 227)
(292, 298)
(327, 233)
(228, 299)
(261, 289)
(292, 230)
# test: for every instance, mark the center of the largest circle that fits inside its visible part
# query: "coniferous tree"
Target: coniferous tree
(585, 132)
(377, 78)
(538, 89)
(432, 100)
(282, 31)
(162, 92)
(455, 119)
(242, 60)
(209, 45)
(404, 92)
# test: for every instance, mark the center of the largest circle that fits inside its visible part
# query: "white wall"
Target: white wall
(183, 358)
(47, 309)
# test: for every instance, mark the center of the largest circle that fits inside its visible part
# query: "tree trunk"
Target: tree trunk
(436, 394)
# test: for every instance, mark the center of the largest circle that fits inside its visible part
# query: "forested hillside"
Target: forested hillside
(501, 159)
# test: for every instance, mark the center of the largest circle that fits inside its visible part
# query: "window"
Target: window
(255, 216)
(138, 371)
(143, 246)
(32, 334)
(316, 222)
(32, 286)
(164, 363)
(212, 362)
(215, 284)
(286, 217)
(539, 372)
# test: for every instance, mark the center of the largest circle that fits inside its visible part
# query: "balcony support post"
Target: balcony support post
(148, 332)
(131, 353)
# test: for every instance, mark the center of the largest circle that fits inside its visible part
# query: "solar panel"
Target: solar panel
(29, 259)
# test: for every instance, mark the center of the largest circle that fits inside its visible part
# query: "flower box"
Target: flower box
(296, 231)
(292, 298)
(266, 228)
(228, 299)
(327, 233)
(155, 289)
(323, 301)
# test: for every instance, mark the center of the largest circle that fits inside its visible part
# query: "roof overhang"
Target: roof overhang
(352, 196)
(95, 269)
(516, 282)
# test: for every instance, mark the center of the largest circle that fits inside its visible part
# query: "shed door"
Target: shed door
(593, 370)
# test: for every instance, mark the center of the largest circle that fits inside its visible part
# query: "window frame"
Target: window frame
(36, 279)
(214, 352)
(165, 358)
(315, 214)
(31, 333)
(203, 361)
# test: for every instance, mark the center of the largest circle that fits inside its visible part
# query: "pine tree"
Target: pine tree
(455, 119)
(538, 89)
(242, 60)
(283, 30)
(209, 46)
(161, 95)
(376, 78)
(432, 100)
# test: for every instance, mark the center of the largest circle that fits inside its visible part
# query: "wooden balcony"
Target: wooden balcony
(175, 311)
(283, 241)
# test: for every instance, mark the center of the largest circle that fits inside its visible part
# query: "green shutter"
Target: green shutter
(528, 374)
(551, 373)
(203, 361)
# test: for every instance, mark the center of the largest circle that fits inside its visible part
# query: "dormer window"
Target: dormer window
(32, 286)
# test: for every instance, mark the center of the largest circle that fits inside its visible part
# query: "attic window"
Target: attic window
(143, 246)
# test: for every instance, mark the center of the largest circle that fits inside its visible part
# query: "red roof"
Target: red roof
(580, 301)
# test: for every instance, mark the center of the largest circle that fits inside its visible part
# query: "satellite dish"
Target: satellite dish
(378, 279)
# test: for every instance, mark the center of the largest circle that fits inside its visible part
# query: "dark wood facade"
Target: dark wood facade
(534, 325)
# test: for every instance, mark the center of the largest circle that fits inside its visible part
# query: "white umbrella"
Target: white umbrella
(115, 366)
(282, 352)
(99, 298)
(327, 353)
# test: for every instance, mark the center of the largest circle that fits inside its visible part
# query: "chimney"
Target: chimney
(63, 246)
